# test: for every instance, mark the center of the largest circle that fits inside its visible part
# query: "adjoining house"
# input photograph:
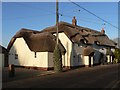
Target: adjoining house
(33, 49)
(3, 57)
(110, 55)
(88, 54)
(76, 38)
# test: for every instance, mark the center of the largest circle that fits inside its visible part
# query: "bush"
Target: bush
(57, 59)
(115, 61)
(117, 54)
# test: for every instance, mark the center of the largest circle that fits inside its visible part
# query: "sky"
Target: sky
(39, 15)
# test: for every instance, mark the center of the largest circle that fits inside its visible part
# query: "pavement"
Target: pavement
(23, 73)
(116, 85)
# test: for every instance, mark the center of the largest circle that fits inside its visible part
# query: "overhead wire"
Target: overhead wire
(80, 19)
(80, 16)
(94, 14)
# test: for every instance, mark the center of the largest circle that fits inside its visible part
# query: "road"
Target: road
(101, 76)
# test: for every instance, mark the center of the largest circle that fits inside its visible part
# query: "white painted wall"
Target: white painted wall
(92, 61)
(96, 57)
(108, 59)
(73, 55)
(63, 60)
(77, 52)
(26, 57)
(68, 46)
(86, 59)
(1, 60)
(112, 49)
(98, 50)
(50, 59)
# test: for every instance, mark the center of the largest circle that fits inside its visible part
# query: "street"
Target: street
(101, 76)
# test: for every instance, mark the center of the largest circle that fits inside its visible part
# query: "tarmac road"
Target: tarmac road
(101, 76)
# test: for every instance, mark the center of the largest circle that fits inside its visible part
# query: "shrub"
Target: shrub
(117, 54)
(57, 59)
(115, 61)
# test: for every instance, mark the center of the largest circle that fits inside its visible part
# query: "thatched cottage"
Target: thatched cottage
(33, 49)
(3, 57)
(84, 46)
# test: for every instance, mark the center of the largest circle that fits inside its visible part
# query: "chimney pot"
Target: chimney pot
(103, 31)
(74, 21)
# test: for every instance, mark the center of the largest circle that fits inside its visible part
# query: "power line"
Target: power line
(80, 19)
(82, 16)
(94, 14)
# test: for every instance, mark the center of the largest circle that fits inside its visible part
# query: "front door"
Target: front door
(89, 61)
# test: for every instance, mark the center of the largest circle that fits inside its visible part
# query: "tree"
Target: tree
(57, 60)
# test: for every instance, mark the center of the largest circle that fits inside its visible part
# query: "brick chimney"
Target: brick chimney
(74, 21)
(103, 31)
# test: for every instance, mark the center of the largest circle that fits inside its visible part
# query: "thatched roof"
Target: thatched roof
(77, 33)
(37, 41)
(88, 51)
(3, 49)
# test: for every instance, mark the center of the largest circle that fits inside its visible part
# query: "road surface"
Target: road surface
(101, 76)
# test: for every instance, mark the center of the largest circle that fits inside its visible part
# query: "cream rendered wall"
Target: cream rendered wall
(68, 46)
(25, 56)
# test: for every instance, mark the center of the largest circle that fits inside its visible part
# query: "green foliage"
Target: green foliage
(108, 51)
(57, 59)
(115, 61)
(117, 54)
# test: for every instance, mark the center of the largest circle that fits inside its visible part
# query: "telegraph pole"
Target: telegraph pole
(57, 53)
(57, 20)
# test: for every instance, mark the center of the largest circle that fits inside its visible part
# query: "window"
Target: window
(16, 56)
(79, 57)
(96, 42)
(35, 55)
